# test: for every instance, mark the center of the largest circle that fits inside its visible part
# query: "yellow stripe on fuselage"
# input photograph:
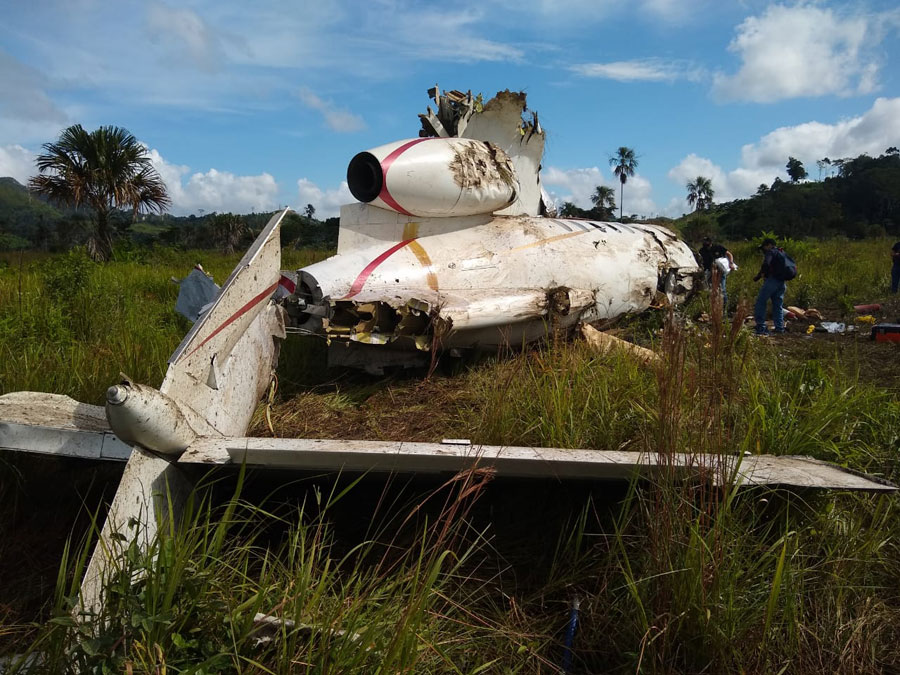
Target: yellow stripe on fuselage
(541, 242)
(411, 231)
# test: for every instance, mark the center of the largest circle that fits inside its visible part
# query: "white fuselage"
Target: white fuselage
(492, 279)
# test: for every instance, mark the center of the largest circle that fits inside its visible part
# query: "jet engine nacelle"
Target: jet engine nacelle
(434, 177)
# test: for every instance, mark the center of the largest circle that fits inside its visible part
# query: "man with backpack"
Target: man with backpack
(777, 268)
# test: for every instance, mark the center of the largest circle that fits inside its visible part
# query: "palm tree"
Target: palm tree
(227, 230)
(604, 200)
(105, 169)
(700, 193)
(625, 162)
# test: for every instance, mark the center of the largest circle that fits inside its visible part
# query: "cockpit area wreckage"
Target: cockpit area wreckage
(451, 246)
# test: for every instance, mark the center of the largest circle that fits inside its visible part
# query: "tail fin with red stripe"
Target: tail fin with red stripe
(224, 364)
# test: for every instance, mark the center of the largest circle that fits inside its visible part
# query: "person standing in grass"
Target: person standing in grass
(895, 267)
(709, 253)
(773, 288)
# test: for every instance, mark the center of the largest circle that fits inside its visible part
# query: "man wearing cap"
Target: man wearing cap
(772, 289)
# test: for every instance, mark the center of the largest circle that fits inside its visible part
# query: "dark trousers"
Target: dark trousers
(895, 278)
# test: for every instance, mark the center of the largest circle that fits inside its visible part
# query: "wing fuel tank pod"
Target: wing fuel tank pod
(434, 177)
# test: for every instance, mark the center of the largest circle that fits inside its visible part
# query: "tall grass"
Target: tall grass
(70, 326)
(832, 272)
(217, 595)
(671, 575)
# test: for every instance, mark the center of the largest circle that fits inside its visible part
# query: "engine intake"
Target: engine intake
(434, 177)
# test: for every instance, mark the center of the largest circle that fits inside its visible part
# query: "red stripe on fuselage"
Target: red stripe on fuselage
(385, 194)
(265, 295)
(360, 281)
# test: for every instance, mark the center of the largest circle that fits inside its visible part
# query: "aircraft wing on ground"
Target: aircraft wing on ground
(78, 430)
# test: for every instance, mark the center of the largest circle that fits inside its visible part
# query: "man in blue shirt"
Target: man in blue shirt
(772, 289)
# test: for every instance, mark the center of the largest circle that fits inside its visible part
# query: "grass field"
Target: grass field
(478, 575)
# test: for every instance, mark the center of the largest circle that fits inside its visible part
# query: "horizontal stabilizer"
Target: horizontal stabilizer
(52, 424)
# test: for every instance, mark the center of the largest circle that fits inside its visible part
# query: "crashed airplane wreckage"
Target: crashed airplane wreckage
(451, 246)
(448, 248)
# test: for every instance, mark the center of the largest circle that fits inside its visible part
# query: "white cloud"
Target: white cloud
(17, 162)
(327, 202)
(640, 70)
(414, 31)
(577, 186)
(25, 96)
(870, 133)
(338, 119)
(573, 185)
(740, 182)
(576, 11)
(803, 50)
(219, 191)
(186, 36)
(27, 112)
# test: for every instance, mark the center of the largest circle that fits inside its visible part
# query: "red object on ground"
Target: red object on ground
(886, 332)
(861, 309)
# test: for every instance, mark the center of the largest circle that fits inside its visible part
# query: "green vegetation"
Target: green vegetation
(27, 221)
(70, 326)
(104, 170)
(700, 193)
(862, 200)
(834, 273)
(368, 576)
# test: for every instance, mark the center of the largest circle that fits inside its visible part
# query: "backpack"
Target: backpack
(783, 266)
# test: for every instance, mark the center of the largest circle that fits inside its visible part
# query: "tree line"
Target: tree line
(92, 187)
(106, 181)
(858, 197)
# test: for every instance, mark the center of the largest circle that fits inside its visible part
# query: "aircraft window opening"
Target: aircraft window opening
(563, 224)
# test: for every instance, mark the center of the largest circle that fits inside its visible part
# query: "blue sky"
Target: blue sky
(250, 106)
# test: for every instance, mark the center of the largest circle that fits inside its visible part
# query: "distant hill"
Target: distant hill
(24, 218)
(17, 202)
(862, 200)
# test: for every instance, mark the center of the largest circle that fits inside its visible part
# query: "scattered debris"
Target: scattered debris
(886, 332)
(267, 628)
(833, 327)
(603, 343)
(814, 314)
(862, 309)
(197, 292)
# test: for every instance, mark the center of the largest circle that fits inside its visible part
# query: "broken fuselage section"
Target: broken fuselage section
(452, 247)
